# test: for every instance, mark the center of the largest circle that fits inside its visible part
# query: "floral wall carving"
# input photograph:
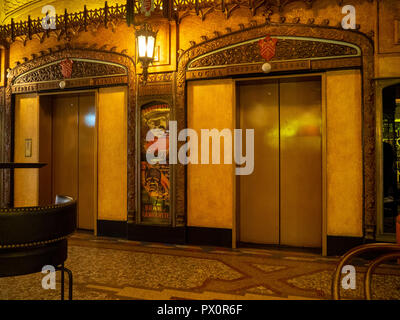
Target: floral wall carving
(286, 49)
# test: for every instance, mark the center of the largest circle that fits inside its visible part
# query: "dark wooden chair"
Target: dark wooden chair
(33, 237)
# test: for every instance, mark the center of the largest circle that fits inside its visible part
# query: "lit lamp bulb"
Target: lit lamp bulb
(266, 67)
(145, 43)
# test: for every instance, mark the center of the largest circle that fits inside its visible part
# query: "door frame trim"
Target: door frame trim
(236, 213)
(380, 84)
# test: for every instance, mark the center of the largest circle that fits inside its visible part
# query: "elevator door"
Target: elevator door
(74, 156)
(281, 202)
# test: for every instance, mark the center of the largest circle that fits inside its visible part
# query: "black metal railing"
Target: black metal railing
(386, 251)
(64, 21)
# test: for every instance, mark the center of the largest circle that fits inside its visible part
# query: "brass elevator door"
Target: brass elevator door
(74, 153)
(281, 202)
(259, 192)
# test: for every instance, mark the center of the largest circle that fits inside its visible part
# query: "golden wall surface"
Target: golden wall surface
(344, 153)
(387, 66)
(387, 39)
(172, 37)
(26, 181)
(112, 154)
(378, 19)
(210, 187)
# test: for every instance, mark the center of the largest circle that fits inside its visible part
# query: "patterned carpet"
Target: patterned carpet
(112, 269)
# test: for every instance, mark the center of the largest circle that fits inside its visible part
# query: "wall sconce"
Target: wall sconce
(145, 46)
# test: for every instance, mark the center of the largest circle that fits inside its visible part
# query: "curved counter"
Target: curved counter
(33, 237)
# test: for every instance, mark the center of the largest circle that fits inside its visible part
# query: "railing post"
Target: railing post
(105, 14)
(167, 8)
(29, 28)
(12, 29)
(55, 23)
(85, 16)
(65, 21)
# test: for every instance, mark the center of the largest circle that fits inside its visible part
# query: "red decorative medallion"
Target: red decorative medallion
(66, 68)
(267, 47)
(147, 7)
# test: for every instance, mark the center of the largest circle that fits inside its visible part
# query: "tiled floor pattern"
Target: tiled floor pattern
(109, 269)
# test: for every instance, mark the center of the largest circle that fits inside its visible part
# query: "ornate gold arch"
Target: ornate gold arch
(61, 53)
(296, 30)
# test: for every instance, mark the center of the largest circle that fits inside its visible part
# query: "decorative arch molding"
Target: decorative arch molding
(288, 48)
(81, 68)
(75, 53)
(355, 38)
(380, 85)
(118, 61)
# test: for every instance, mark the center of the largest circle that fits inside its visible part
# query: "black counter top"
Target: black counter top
(14, 165)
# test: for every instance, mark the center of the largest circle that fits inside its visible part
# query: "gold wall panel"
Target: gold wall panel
(388, 36)
(3, 65)
(387, 66)
(210, 188)
(112, 154)
(344, 154)
(166, 46)
(26, 181)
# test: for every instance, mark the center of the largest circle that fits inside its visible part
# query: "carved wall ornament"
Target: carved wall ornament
(158, 77)
(66, 67)
(267, 47)
(76, 68)
(287, 48)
